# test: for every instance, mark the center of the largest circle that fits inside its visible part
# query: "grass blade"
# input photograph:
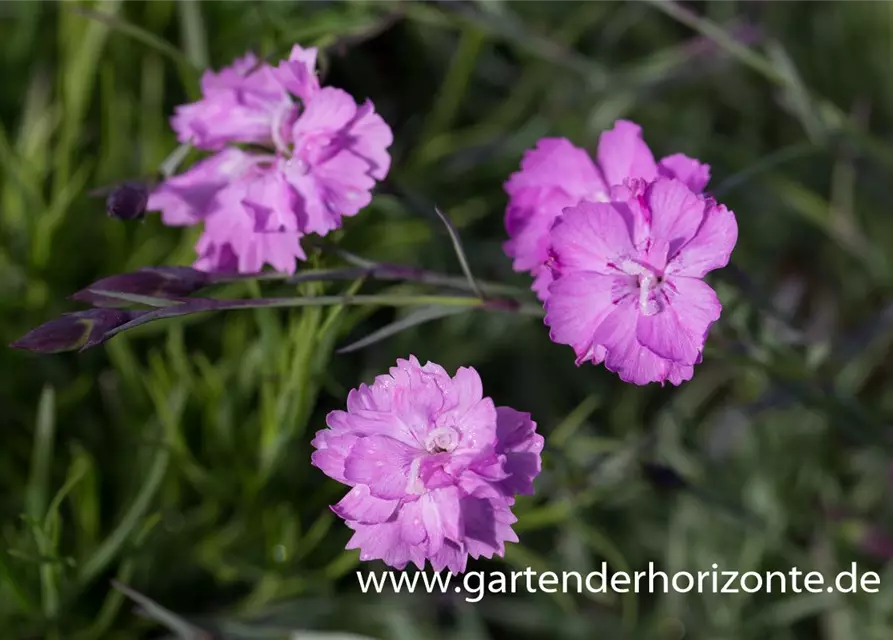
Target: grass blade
(194, 36)
(412, 319)
(460, 252)
(162, 616)
(42, 455)
(110, 547)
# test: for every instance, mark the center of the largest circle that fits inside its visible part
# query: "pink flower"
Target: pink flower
(432, 464)
(629, 287)
(556, 174)
(325, 154)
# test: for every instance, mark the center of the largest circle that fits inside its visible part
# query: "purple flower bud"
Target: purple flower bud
(663, 478)
(74, 331)
(158, 282)
(128, 201)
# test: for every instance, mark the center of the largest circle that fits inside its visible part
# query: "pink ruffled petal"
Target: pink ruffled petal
(234, 108)
(554, 175)
(230, 234)
(592, 237)
(187, 198)
(625, 356)
(522, 447)
(298, 73)
(578, 303)
(273, 203)
(622, 154)
(676, 212)
(693, 173)
(359, 505)
(370, 138)
(383, 464)
(332, 449)
(710, 248)
(381, 542)
(678, 332)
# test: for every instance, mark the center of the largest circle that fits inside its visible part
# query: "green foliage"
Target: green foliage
(174, 459)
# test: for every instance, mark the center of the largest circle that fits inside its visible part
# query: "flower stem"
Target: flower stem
(188, 306)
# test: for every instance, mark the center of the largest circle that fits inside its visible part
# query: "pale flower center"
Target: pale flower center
(649, 284)
(648, 281)
(442, 439)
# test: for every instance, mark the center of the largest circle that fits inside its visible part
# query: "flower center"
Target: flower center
(442, 439)
(649, 282)
(649, 289)
(283, 118)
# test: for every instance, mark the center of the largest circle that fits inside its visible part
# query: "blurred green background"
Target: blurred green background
(175, 458)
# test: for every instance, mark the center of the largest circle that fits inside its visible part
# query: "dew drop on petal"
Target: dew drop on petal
(298, 164)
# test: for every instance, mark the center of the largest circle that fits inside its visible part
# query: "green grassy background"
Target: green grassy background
(175, 458)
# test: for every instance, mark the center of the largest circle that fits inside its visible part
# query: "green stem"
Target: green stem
(190, 306)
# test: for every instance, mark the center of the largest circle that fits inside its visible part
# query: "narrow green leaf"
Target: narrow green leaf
(141, 35)
(168, 619)
(37, 490)
(460, 252)
(412, 319)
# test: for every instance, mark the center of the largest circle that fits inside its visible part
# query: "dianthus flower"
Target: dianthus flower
(628, 283)
(556, 174)
(432, 464)
(316, 157)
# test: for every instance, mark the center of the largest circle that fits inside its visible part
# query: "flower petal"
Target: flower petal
(710, 248)
(298, 73)
(236, 107)
(187, 198)
(522, 446)
(625, 356)
(556, 162)
(622, 154)
(327, 111)
(361, 506)
(380, 542)
(451, 556)
(272, 201)
(678, 331)
(578, 303)
(554, 175)
(441, 517)
(694, 174)
(676, 212)
(232, 226)
(487, 526)
(383, 464)
(592, 237)
(370, 137)
(332, 449)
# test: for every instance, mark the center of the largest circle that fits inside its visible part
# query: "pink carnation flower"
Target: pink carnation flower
(629, 287)
(432, 464)
(324, 154)
(556, 174)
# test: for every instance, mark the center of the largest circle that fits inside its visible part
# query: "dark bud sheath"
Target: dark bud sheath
(74, 331)
(156, 282)
(662, 478)
(128, 201)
